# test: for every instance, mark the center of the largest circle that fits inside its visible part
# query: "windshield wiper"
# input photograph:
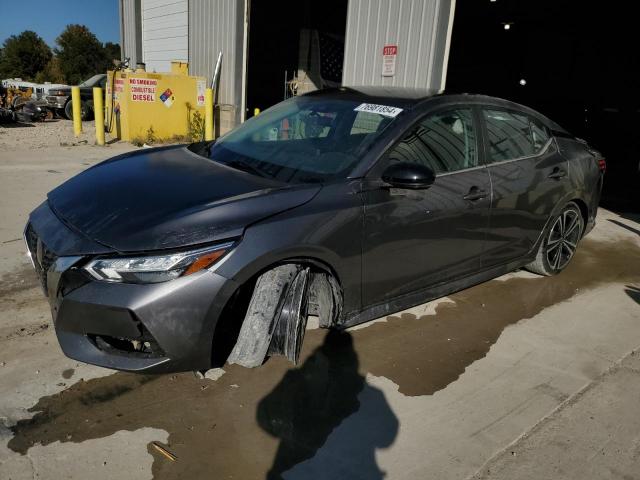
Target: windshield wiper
(245, 167)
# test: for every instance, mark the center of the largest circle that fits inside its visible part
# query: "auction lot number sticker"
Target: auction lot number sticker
(385, 110)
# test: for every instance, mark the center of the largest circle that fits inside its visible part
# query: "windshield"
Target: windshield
(301, 140)
(92, 81)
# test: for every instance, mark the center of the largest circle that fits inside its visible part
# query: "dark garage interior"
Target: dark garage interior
(275, 47)
(574, 62)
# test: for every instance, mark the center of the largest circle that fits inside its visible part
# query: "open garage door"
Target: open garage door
(576, 65)
(294, 47)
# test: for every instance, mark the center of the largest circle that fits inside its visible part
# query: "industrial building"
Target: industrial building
(273, 50)
(567, 61)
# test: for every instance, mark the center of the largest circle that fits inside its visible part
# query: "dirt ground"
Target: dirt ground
(51, 133)
(520, 377)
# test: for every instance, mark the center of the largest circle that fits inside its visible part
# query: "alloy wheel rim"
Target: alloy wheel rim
(563, 238)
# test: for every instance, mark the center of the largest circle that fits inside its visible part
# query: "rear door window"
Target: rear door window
(513, 135)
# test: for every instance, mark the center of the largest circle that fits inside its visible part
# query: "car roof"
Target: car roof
(398, 96)
(410, 98)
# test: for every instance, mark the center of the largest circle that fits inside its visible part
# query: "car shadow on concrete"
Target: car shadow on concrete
(625, 226)
(16, 125)
(633, 292)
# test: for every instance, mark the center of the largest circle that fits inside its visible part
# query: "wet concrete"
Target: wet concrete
(250, 422)
(424, 354)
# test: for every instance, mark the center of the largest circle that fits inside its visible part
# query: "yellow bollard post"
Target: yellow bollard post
(75, 103)
(98, 111)
(256, 112)
(208, 114)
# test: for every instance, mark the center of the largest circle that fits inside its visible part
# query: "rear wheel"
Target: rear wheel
(559, 242)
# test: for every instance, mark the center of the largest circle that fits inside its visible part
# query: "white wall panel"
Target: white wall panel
(165, 33)
(421, 29)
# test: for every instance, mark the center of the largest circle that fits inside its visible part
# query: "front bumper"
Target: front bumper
(55, 101)
(98, 321)
(154, 328)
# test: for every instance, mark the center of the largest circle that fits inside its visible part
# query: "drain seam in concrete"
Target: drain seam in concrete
(571, 400)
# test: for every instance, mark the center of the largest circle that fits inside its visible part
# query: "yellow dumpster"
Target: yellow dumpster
(145, 107)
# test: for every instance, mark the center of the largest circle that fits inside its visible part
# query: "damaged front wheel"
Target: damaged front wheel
(276, 318)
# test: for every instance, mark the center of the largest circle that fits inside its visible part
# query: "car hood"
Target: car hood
(168, 197)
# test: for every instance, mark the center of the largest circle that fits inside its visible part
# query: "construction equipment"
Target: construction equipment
(17, 105)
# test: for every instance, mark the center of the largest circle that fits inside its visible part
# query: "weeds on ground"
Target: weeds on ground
(195, 132)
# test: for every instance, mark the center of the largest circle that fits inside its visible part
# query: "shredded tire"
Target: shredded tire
(258, 325)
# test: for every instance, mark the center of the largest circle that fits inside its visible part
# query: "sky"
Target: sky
(48, 18)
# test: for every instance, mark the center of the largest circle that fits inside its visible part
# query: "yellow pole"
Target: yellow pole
(77, 114)
(208, 114)
(98, 111)
(256, 112)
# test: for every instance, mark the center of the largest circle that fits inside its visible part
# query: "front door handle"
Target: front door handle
(557, 173)
(475, 193)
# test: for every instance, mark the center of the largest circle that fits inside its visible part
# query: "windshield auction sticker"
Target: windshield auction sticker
(143, 89)
(385, 110)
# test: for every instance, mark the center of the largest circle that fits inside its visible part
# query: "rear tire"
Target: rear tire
(559, 242)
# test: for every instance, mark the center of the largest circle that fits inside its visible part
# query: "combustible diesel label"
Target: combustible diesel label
(143, 89)
(384, 110)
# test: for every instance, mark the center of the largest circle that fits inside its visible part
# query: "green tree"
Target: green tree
(112, 52)
(80, 53)
(51, 72)
(24, 56)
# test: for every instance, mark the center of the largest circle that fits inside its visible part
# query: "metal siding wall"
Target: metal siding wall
(214, 26)
(165, 32)
(420, 28)
(130, 33)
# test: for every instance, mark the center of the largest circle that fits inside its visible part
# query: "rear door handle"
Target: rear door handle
(557, 173)
(475, 193)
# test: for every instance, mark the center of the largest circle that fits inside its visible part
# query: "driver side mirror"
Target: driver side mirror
(409, 175)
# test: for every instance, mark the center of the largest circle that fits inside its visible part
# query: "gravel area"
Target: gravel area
(52, 133)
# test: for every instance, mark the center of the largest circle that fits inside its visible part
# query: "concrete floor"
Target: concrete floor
(521, 377)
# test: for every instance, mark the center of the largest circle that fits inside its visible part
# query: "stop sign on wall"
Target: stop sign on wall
(389, 54)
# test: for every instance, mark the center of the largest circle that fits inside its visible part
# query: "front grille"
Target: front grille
(42, 257)
(31, 238)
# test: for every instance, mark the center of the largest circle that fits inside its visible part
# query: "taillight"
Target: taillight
(602, 165)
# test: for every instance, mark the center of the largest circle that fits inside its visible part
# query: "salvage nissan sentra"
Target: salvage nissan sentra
(345, 204)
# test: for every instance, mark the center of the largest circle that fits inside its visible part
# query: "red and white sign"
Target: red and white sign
(119, 87)
(389, 54)
(201, 86)
(143, 89)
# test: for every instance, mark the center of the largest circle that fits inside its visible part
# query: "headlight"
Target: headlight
(156, 268)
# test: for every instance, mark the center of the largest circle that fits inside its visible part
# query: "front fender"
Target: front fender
(326, 231)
